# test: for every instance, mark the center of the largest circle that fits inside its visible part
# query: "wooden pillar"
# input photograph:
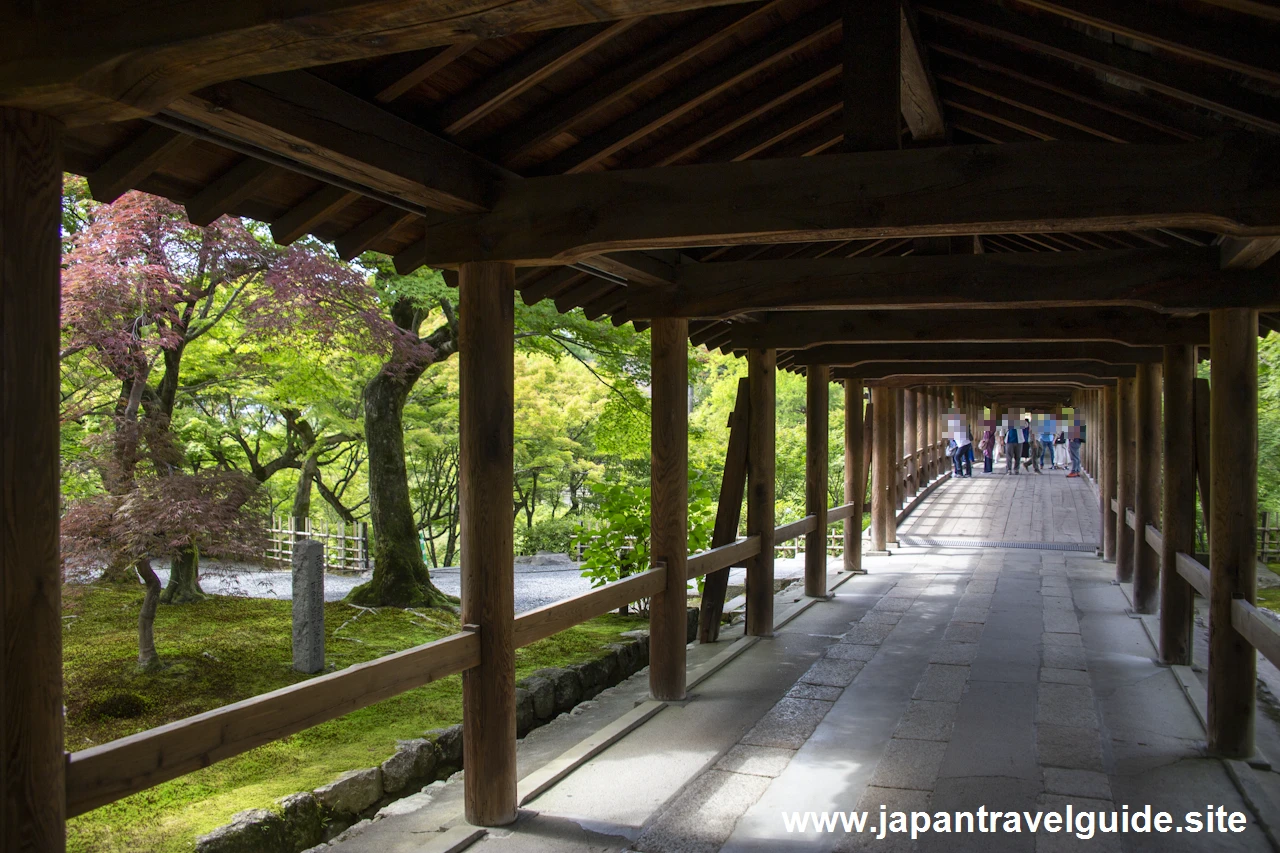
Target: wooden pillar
(900, 450)
(817, 405)
(486, 336)
(1124, 478)
(1146, 498)
(669, 505)
(909, 442)
(32, 763)
(761, 365)
(1178, 502)
(882, 510)
(931, 425)
(1107, 475)
(922, 439)
(1233, 531)
(853, 489)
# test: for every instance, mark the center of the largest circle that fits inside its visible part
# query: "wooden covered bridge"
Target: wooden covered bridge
(958, 203)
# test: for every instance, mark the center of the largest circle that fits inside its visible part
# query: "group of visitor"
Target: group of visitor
(1024, 447)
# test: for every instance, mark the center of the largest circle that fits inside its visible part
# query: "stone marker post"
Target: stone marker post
(308, 606)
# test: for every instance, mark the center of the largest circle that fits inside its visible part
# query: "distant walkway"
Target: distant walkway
(1041, 508)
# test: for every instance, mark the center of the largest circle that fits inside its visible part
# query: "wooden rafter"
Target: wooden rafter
(855, 354)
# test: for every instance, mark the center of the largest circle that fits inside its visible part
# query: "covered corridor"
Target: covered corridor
(944, 680)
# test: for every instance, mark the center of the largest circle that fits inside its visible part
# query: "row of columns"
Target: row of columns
(907, 453)
(1148, 464)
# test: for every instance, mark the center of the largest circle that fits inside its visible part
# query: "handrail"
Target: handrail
(1115, 504)
(723, 557)
(786, 532)
(1193, 572)
(109, 771)
(839, 513)
(542, 622)
(1260, 631)
(1130, 519)
(1155, 538)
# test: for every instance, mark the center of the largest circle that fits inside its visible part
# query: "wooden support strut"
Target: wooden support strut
(486, 336)
(1107, 473)
(817, 419)
(761, 376)
(1233, 528)
(32, 763)
(728, 514)
(882, 509)
(854, 489)
(1124, 479)
(670, 507)
(1146, 497)
(1178, 505)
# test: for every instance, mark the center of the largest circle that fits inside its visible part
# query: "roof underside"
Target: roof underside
(727, 83)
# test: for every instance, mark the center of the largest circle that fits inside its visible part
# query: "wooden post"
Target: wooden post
(728, 514)
(1233, 531)
(900, 450)
(1124, 479)
(854, 492)
(872, 77)
(882, 509)
(1107, 477)
(1146, 498)
(1203, 404)
(32, 763)
(1178, 501)
(817, 405)
(669, 502)
(760, 490)
(909, 448)
(486, 336)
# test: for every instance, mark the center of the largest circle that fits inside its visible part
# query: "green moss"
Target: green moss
(222, 650)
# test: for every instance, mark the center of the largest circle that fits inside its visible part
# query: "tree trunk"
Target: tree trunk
(147, 656)
(184, 578)
(400, 577)
(302, 495)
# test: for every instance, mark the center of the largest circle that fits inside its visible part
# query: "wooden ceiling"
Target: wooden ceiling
(394, 120)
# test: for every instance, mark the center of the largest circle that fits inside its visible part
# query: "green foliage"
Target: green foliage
(552, 534)
(618, 545)
(228, 649)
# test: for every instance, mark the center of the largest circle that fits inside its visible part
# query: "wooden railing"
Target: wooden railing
(1259, 630)
(108, 772)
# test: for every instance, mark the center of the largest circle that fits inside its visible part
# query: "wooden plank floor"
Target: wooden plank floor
(1028, 507)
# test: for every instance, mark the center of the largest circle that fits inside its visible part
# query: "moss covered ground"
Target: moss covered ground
(223, 650)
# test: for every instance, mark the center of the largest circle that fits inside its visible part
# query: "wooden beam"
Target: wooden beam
(32, 761)
(669, 452)
(138, 159)
(1119, 325)
(1233, 530)
(123, 61)
(852, 355)
(1146, 498)
(368, 233)
(1079, 380)
(921, 107)
(797, 36)
(546, 59)
(1226, 185)
(872, 79)
(1238, 253)
(728, 513)
(978, 369)
(307, 120)
(1183, 279)
(407, 79)
(1178, 505)
(620, 82)
(761, 461)
(486, 348)
(233, 187)
(309, 213)
(1197, 86)
(816, 419)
